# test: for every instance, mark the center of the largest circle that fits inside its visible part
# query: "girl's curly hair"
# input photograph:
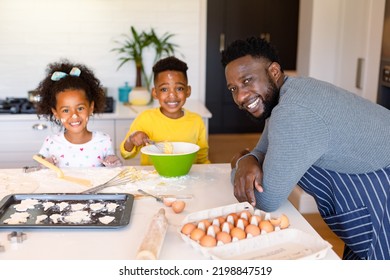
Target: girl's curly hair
(253, 46)
(49, 89)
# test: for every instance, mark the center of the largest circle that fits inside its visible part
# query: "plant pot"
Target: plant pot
(140, 96)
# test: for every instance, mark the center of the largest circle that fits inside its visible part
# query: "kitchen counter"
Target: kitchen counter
(209, 184)
(23, 134)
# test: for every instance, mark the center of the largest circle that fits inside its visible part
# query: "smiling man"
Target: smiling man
(331, 142)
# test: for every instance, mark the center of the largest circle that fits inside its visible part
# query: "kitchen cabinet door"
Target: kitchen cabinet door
(228, 20)
(20, 140)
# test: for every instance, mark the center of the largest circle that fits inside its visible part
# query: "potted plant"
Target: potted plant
(131, 50)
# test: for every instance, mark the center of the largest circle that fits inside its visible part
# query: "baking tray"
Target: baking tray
(285, 244)
(121, 211)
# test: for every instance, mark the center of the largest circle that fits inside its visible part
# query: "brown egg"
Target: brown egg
(245, 215)
(208, 241)
(221, 220)
(257, 217)
(242, 223)
(206, 222)
(168, 201)
(252, 230)
(188, 228)
(284, 221)
(224, 237)
(214, 228)
(197, 234)
(237, 233)
(234, 217)
(275, 222)
(227, 227)
(265, 225)
(178, 206)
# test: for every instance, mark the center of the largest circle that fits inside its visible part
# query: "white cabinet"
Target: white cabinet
(20, 140)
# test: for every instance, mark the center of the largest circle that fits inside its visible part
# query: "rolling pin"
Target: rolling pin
(154, 238)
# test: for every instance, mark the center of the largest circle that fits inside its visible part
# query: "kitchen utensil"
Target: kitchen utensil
(154, 238)
(60, 173)
(159, 145)
(172, 196)
(123, 177)
(118, 206)
(158, 198)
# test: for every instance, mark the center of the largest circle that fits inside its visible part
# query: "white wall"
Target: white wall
(34, 33)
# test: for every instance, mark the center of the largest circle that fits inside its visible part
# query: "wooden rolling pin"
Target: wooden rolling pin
(151, 245)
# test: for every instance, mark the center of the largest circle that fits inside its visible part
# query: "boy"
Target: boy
(169, 122)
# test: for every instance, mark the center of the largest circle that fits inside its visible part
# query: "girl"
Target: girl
(70, 94)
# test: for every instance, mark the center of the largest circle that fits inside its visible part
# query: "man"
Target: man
(331, 142)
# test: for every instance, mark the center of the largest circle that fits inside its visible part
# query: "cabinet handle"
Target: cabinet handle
(39, 126)
(359, 70)
(221, 42)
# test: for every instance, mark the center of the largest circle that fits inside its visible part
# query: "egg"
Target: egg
(206, 222)
(197, 234)
(188, 228)
(168, 201)
(275, 222)
(233, 219)
(245, 215)
(266, 226)
(213, 228)
(257, 217)
(224, 237)
(252, 230)
(241, 223)
(221, 220)
(284, 221)
(227, 227)
(208, 241)
(237, 233)
(178, 206)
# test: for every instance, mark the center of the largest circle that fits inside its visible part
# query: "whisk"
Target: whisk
(164, 147)
(123, 177)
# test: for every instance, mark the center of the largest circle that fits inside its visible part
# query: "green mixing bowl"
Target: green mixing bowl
(176, 164)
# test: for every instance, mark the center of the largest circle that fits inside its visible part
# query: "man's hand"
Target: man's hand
(234, 159)
(249, 175)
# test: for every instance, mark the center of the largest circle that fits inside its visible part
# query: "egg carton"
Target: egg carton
(286, 244)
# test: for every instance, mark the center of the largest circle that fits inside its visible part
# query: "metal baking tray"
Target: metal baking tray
(121, 213)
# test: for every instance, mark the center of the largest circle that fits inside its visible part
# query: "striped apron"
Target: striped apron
(356, 207)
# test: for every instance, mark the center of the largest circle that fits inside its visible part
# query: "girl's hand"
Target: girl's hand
(52, 159)
(112, 161)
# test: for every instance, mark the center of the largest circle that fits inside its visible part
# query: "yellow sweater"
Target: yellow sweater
(189, 128)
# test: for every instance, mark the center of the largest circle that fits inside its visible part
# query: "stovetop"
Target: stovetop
(17, 105)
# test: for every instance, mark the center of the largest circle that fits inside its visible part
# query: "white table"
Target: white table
(209, 184)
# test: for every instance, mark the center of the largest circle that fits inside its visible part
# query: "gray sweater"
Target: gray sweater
(316, 123)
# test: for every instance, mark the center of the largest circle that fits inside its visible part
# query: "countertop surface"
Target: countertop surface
(122, 111)
(208, 184)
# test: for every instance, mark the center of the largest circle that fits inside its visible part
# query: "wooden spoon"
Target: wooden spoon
(60, 173)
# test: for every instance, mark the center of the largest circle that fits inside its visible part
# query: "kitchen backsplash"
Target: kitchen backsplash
(35, 33)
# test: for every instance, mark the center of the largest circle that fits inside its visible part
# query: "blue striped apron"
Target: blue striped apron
(356, 207)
